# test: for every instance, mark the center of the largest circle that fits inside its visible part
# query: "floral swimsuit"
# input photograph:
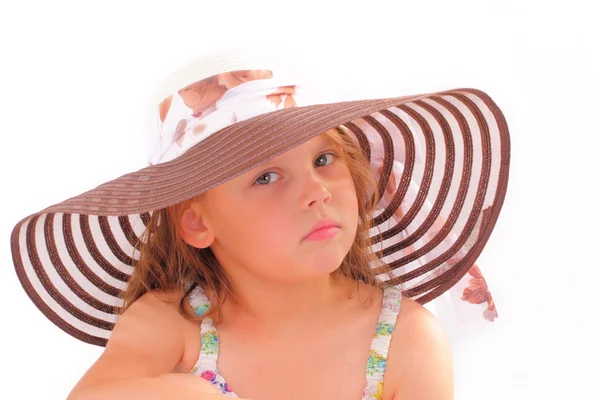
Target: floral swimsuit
(206, 366)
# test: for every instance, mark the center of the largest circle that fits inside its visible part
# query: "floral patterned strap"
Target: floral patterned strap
(209, 350)
(392, 298)
(206, 366)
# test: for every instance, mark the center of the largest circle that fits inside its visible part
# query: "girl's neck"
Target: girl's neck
(284, 307)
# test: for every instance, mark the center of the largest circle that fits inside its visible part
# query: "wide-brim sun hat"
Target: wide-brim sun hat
(441, 161)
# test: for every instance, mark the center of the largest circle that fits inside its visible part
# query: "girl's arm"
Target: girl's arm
(147, 344)
(147, 388)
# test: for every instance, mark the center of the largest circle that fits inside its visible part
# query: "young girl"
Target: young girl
(278, 245)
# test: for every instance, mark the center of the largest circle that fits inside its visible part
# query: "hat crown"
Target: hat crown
(223, 88)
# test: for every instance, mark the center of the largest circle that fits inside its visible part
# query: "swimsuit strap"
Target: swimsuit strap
(209, 350)
(392, 298)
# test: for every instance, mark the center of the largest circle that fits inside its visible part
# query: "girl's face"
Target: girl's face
(258, 220)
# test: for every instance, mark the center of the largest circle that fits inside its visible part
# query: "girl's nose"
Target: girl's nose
(314, 191)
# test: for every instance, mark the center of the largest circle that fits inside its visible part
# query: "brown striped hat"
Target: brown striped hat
(441, 160)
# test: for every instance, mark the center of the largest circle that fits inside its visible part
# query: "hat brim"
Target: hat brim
(74, 258)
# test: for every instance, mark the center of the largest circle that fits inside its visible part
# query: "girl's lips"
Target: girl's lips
(324, 233)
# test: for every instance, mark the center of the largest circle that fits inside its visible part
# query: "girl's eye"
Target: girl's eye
(321, 161)
(323, 156)
(261, 181)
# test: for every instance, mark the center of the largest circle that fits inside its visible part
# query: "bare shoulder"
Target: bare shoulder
(419, 359)
(152, 321)
(166, 306)
(148, 339)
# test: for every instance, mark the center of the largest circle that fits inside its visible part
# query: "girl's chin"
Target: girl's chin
(309, 273)
(322, 268)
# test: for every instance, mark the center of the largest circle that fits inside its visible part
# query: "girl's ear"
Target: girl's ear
(193, 231)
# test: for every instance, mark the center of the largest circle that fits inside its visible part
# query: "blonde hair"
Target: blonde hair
(167, 262)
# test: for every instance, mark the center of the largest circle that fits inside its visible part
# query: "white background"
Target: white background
(75, 84)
